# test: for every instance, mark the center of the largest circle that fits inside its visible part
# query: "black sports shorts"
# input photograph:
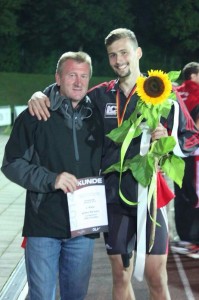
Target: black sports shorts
(121, 238)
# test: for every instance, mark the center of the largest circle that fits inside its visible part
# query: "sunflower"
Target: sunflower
(155, 88)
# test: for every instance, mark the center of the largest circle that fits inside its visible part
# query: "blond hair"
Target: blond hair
(80, 56)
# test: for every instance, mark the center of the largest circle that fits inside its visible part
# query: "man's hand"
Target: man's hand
(38, 106)
(66, 182)
(159, 132)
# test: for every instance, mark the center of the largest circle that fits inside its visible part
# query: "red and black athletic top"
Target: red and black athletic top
(104, 95)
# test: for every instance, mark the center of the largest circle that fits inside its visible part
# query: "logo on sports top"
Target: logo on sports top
(110, 111)
(95, 229)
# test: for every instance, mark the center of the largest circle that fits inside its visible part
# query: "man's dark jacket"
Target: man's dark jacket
(37, 151)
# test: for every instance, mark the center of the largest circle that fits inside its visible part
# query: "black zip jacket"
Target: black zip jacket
(37, 151)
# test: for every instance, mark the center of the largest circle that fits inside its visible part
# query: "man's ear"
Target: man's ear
(193, 77)
(57, 78)
(139, 52)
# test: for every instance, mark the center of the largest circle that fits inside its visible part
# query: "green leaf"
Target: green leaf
(162, 146)
(172, 96)
(142, 168)
(174, 166)
(151, 114)
(113, 168)
(174, 75)
(117, 167)
(165, 108)
(118, 134)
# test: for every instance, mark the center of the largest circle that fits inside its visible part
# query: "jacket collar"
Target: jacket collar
(56, 99)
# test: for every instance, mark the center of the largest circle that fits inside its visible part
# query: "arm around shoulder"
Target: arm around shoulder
(38, 106)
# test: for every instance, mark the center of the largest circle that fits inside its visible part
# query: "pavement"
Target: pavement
(13, 284)
(11, 220)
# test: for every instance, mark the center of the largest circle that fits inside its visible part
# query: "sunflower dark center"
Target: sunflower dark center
(154, 86)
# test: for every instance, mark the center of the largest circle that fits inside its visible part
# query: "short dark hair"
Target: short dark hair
(121, 33)
(189, 69)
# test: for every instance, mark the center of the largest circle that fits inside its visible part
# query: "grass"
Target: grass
(17, 88)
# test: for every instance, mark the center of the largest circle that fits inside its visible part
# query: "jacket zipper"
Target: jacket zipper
(75, 137)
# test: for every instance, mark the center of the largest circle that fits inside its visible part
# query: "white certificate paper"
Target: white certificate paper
(87, 207)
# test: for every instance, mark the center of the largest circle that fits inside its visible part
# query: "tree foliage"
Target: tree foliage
(181, 24)
(9, 31)
(35, 33)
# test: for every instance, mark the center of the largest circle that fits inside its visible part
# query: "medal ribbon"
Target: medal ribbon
(120, 117)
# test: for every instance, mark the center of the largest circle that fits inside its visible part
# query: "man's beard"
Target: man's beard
(123, 76)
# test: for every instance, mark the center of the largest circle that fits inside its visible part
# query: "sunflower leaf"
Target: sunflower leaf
(142, 168)
(117, 167)
(164, 109)
(150, 113)
(162, 146)
(172, 96)
(173, 166)
(174, 75)
(113, 168)
(118, 134)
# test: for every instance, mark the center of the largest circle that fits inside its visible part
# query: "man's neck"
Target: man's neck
(127, 83)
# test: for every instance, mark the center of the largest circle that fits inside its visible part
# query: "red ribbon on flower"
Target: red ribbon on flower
(23, 244)
(164, 193)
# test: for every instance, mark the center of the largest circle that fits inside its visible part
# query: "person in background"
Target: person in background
(186, 203)
(47, 158)
(116, 101)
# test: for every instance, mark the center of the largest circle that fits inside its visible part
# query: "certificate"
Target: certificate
(87, 207)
